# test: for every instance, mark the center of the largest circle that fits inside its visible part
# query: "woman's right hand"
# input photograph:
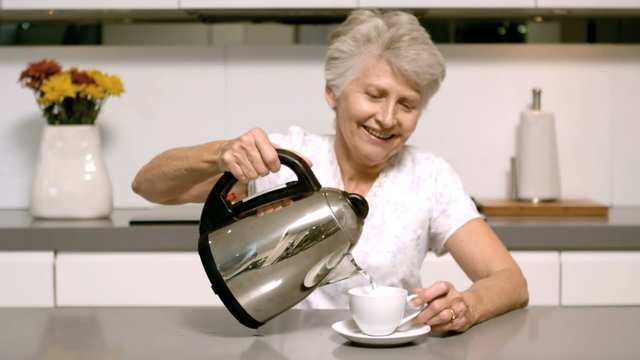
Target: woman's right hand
(249, 156)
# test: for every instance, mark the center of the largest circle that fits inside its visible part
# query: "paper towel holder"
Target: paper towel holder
(535, 173)
(515, 195)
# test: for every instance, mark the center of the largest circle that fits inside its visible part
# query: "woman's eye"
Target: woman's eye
(374, 95)
(407, 107)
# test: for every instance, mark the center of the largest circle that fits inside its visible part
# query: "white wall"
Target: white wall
(180, 95)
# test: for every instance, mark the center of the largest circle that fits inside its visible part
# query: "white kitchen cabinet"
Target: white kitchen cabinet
(600, 278)
(132, 279)
(542, 271)
(589, 4)
(266, 4)
(86, 5)
(478, 4)
(568, 278)
(436, 268)
(26, 279)
(540, 268)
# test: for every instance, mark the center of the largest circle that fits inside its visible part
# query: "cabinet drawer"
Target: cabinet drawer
(542, 271)
(132, 279)
(26, 279)
(540, 268)
(600, 278)
(438, 268)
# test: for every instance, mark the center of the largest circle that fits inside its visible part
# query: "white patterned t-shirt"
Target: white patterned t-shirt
(416, 203)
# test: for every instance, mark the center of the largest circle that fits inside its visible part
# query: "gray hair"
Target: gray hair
(395, 36)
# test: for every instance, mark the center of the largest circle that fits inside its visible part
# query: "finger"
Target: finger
(460, 323)
(264, 158)
(226, 160)
(266, 151)
(263, 210)
(268, 209)
(432, 296)
(443, 317)
(229, 163)
(247, 153)
(280, 204)
(232, 158)
(437, 290)
(418, 301)
(246, 171)
(451, 314)
(430, 314)
(257, 164)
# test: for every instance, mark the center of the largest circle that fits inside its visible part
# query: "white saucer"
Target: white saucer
(350, 331)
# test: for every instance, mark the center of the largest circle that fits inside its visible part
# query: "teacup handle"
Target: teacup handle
(416, 309)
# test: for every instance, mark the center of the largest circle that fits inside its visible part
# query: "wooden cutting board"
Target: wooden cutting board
(551, 208)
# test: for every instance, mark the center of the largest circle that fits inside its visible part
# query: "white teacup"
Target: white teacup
(381, 311)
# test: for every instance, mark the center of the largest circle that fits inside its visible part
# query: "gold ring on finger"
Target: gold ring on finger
(453, 313)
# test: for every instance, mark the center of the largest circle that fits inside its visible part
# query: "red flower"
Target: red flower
(37, 72)
(81, 77)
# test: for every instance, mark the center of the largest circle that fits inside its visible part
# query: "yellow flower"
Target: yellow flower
(108, 83)
(58, 87)
(94, 91)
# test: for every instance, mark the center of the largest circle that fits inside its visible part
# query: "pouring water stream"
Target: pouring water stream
(363, 272)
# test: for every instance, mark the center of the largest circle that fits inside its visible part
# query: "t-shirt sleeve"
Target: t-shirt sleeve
(452, 208)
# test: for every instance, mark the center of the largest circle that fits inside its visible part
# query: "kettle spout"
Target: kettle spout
(345, 269)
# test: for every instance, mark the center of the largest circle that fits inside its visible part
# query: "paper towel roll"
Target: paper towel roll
(538, 171)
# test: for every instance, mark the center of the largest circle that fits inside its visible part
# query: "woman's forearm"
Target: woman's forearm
(503, 291)
(175, 172)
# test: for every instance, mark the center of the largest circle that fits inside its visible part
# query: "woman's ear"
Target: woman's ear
(330, 97)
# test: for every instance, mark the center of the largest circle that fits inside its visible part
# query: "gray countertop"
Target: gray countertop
(174, 228)
(211, 333)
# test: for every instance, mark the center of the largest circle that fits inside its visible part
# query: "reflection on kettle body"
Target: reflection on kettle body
(77, 336)
(259, 349)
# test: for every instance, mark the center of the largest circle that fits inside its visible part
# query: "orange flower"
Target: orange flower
(81, 77)
(38, 72)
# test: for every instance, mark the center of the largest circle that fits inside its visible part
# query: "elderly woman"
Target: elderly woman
(381, 71)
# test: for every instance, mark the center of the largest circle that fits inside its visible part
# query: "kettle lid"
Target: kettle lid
(359, 205)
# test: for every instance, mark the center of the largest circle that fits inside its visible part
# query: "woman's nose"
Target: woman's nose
(386, 114)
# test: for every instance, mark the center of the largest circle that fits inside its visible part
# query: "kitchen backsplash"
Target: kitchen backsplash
(182, 95)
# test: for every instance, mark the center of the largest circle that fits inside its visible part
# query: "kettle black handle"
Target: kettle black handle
(218, 212)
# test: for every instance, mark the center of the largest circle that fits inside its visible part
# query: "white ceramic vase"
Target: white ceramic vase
(70, 179)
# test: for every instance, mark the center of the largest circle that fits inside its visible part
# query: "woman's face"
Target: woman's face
(375, 114)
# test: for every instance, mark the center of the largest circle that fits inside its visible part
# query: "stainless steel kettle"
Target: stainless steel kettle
(260, 266)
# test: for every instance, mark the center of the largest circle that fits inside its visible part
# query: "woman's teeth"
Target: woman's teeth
(377, 134)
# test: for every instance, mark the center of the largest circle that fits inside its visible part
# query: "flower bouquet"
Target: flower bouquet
(69, 97)
(70, 179)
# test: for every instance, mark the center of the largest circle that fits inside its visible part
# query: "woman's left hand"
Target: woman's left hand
(446, 308)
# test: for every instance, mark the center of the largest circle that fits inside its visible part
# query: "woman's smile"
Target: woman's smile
(378, 134)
